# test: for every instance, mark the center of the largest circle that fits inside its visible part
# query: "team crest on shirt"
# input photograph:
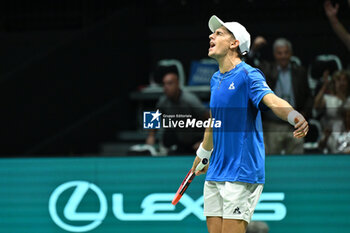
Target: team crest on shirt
(232, 86)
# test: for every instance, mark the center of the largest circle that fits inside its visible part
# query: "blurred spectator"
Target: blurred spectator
(339, 29)
(289, 81)
(334, 99)
(331, 97)
(177, 101)
(257, 227)
(319, 65)
(338, 140)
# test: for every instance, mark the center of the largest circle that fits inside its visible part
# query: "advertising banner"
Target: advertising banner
(133, 194)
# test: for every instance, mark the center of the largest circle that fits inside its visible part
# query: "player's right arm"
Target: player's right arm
(285, 111)
(206, 147)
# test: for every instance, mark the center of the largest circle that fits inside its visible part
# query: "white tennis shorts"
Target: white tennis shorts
(231, 200)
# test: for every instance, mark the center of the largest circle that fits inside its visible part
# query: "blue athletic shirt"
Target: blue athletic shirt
(239, 152)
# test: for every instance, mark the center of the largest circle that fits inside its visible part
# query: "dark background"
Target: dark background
(67, 67)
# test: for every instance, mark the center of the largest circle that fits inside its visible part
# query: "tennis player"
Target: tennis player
(236, 171)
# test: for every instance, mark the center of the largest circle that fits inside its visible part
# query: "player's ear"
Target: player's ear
(234, 44)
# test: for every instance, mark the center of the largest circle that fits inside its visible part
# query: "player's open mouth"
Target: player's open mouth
(211, 45)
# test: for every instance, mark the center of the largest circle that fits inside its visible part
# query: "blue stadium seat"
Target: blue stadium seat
(201, 72)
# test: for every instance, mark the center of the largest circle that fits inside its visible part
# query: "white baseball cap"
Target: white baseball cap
(237, 29)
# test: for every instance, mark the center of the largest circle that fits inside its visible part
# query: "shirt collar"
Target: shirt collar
(279, 68)
(232, 70)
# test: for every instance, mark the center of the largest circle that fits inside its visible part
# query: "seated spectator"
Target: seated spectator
(337, 140)
(289, 81)
(319, 65)
(331, 98)
(177, 101)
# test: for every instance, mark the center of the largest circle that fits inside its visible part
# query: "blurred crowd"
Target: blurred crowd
(320, 91)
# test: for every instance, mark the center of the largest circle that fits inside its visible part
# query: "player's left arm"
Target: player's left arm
(204, 150)
(285, 111)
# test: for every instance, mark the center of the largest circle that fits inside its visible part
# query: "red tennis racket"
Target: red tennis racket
(187, 181)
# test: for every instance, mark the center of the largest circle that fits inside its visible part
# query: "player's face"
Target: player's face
(220, 42)
(170, 85)
(282, 55)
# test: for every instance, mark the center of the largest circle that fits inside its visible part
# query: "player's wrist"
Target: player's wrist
(291, 116)
(203, 153)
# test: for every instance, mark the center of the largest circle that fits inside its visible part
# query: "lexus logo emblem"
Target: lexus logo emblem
(70, 210)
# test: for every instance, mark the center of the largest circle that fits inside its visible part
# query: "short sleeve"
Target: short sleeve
(258, 88)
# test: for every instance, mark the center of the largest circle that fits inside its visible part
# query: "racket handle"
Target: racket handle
(202, 164)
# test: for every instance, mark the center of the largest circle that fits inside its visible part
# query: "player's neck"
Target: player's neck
(228, 63)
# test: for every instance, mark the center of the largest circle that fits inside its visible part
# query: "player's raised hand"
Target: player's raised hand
(301, 126)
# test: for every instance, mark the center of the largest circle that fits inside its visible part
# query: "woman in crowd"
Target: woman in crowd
(331, 98)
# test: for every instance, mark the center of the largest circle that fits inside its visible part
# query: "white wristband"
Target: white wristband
(291, 117)
(203, 153)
